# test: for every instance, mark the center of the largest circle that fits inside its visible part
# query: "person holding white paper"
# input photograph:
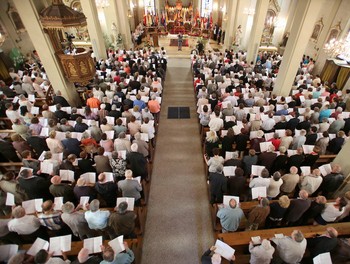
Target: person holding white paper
(35, 187)
(230, 217)
(258, 214)
(291, 249)
(130, 188)
(122, 221)
(312, 182)
(125, 257)
(290, 181)
(82, 188)
(49, 165)
(215, 161)
(44, 257)
(23, 224)
(96, 218)
(260, 181)
(54, 144)
(142, 145)
(84, 258)
(323, 243)
(262, 253)
(332, 181)
(59, 189)
(209, 257)
(107, 189)
(51, 218)
(8, 184)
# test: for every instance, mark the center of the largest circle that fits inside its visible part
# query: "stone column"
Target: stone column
(122, 7)
(306, 14)
(257, 29)
(94, 28)
(343, 160)
(231, 11)
(28, 11)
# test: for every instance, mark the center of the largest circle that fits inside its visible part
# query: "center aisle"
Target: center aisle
(178, 227)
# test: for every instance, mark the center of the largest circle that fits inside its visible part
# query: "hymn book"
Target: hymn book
(227, 199)
(130, 201)
(37, 246)
(224, 250)
(89, 177)
(258, 192)
(325, 169)
(117, 245)
(32, 206)
(256, 170)
(305, 170)
(58, 202)
(61, 243)
(7, 252)
(67, 175)
(10, 199)
(93, 244)
(229, 170)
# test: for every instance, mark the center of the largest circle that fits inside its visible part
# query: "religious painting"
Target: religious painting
(317, 30)
(334, 32)
(15, 19)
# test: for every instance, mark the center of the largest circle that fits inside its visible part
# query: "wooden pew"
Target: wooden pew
(10, 166)
(243, 238)
(324, 159)
(134, 245)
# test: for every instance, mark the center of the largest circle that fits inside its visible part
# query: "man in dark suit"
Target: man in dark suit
(71, 145)
(38, 144)
(297, 208)
(7, 152)
(35, 187)
(323, 243)
(59, 114)
(59, 99)
(137, 162)
(311, 137)
(218, 185)
(210, 257)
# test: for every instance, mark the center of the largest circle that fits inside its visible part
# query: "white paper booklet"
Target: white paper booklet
(117, 245)
(122, 154)
(130, 201)
(224, 250)
(308, 149)
(305, 170)
(138, 179)
(291, 152)
(58, 202)
(32, 206)
(256, 240)
(229, 170)
(256, 170)
(109, 177)
(93, 244)
(264, 146)
(46, 167)
(67, 175)
(89, 177)
(227, 199)
(37, 246)
(7, 251)
(10, 199)
(258, 192)
(61, 243)
(324, 258)
(325, 169)
(83, 201)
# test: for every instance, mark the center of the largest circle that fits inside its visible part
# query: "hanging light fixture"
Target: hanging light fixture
(338, 48)
(102, 3)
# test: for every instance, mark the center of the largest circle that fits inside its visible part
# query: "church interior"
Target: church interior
(138, 73)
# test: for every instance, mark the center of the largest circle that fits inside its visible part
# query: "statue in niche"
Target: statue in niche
(238, 36)
(114, 32)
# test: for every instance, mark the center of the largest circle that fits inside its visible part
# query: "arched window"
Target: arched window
(206, 8)
(149, 7)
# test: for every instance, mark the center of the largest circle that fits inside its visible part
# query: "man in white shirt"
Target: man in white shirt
(216, 123)
(23, 224)
(95, 218)
(268, 124)
(291, 249)
(311, 183)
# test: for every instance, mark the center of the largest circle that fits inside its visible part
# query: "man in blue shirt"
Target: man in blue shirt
(230, 217)
(95, 218)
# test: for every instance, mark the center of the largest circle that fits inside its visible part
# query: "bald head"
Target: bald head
(83, 255)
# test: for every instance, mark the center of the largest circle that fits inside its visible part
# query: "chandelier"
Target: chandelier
(338, 48)
(2, 39)
(102, 3)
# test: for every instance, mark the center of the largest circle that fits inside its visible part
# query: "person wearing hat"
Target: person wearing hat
(122, 221)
